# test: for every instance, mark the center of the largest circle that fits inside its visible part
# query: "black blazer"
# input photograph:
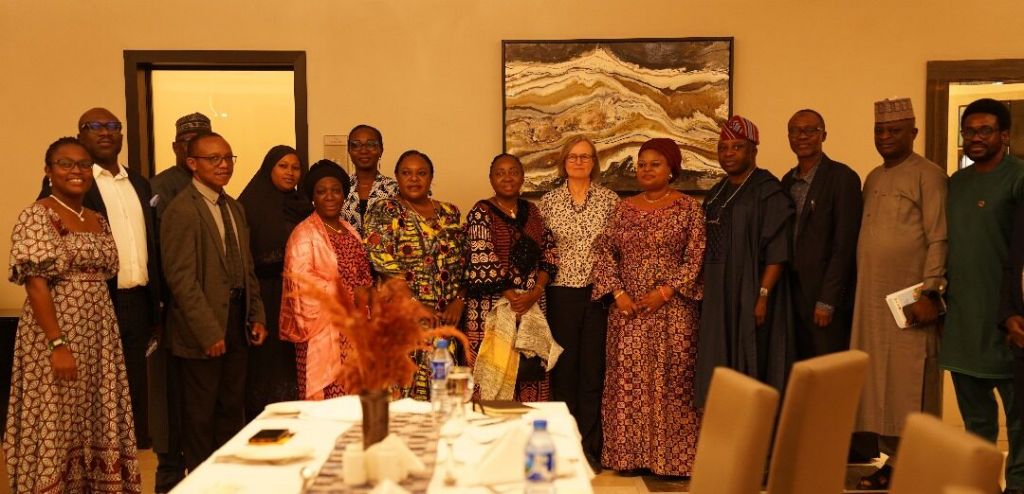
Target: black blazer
(94, 201)
(825, 248)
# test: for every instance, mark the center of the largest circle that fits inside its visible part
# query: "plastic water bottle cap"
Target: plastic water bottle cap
(442, 343)
(540, 425)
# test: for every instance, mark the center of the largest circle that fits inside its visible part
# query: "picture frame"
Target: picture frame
(619, 93)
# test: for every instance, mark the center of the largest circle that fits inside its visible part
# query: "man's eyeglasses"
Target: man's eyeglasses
(113, 127)
(68, 165)
(216, 160)
(804, 131)
(582, 158)
(984, 132)
(371, 145)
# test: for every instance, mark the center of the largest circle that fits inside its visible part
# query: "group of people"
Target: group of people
(644, 295)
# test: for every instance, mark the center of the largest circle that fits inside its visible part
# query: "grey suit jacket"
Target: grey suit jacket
(196, 274)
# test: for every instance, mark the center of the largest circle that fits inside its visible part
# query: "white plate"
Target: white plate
(273, 452)
(285, 407)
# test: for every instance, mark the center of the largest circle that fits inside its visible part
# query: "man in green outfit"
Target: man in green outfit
(979, 215)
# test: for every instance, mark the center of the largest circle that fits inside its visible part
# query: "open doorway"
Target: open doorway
(237, 86)
(253, 109)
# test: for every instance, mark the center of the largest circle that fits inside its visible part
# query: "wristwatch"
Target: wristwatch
(763, 292)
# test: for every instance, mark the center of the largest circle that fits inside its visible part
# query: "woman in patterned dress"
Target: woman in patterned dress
(648, 259)
(576, 212)
(324, 253)
(276, 205)
(365, 146)
(69, 419)
(420, 240)
(511, 255)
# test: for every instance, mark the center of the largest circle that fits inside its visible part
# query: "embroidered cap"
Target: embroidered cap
(892, 110)
(193, 122)
(740, 128)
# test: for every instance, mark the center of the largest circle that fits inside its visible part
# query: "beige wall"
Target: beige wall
(427, 72)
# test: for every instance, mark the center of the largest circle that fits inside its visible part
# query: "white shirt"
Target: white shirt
(127, 224)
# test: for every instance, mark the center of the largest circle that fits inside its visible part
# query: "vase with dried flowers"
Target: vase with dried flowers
(383, 327)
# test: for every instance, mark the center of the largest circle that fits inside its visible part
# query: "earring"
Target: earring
(49, 183)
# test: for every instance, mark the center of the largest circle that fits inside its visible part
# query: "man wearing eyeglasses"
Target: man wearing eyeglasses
(828, 208)
(215, 309)
(122, 196)
(979, 212)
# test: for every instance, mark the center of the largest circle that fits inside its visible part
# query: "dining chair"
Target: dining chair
(812, 441)
(933, 456)
(734, 435)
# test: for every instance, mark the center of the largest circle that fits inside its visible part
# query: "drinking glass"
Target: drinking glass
(460, 387)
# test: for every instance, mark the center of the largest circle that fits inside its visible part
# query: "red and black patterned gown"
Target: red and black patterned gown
(497, 263)
(649, 418)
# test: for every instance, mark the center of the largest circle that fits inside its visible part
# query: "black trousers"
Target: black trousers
(132, 307)
(579, 326)
(213, 399)
(170, 461)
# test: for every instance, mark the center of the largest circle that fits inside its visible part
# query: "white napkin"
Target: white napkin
(392, 457)
(388, 487)
(503, 461)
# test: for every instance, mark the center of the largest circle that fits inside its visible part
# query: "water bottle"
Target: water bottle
(540, 460)
(440, 363)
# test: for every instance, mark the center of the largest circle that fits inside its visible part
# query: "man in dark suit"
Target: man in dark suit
(828, 209)
(215, 304)
(828, 199)
(122, 195)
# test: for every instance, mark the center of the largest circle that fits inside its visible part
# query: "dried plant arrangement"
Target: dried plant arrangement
(383, 327)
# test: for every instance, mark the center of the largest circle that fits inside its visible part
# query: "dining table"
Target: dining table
(475, 462)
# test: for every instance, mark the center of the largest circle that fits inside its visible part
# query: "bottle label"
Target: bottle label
(540, 467)
(440, 369)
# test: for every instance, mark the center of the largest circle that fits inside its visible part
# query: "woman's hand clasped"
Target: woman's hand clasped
(63, 363)
(649, 303)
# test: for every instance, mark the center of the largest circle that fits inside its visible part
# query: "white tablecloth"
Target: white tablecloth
(320, 424)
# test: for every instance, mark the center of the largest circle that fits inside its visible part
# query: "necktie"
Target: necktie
(231, 252)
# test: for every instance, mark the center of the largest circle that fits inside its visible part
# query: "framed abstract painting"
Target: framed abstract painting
(619, 93)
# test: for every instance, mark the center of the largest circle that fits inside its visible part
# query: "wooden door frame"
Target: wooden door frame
(138, 67)
(940, 74)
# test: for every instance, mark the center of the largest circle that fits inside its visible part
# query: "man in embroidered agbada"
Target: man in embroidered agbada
(902, 242)
(746, 315)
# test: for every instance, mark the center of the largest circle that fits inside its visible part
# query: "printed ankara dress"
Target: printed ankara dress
(504, 253)
(649, 418)
(425, 252)
(69, 436)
